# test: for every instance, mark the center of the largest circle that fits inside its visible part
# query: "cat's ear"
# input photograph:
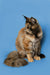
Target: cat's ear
(26, 18)
(34, 20)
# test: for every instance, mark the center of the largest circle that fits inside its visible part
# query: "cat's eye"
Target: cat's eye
(30, 23)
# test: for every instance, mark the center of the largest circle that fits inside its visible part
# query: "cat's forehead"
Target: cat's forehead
(31, 20)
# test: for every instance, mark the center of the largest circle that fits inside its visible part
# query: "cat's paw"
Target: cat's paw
(37, 58)
(30, 60)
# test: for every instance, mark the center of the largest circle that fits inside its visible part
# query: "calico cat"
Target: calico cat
(27, 44)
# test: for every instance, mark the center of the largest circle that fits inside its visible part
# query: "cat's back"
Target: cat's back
(20, 37)
(20, 34)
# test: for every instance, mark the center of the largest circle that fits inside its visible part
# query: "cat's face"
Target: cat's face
(31, 25)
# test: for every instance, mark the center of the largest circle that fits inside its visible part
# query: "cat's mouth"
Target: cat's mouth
(29, 33)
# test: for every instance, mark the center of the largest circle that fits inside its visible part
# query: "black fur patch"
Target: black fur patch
(42, 56)
(12, 63)
(9, 58)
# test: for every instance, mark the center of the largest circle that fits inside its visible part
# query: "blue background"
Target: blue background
(11, 21)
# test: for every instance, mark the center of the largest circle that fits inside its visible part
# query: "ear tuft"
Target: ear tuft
(25, 17)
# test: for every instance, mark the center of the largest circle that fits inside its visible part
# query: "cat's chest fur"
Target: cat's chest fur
(31, 42)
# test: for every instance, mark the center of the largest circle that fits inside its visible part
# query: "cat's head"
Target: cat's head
(31, 25)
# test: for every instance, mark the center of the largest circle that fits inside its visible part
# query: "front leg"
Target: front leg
(27, 47)
(37, 57)
(29, 56)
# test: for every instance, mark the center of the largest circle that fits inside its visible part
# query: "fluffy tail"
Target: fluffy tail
(14, 59)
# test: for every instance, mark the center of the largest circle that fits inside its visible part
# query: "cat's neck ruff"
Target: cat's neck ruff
(31, 38)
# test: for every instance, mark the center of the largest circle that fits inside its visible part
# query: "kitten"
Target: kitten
(27, 44)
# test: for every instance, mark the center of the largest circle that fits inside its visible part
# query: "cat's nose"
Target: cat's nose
(33, 27)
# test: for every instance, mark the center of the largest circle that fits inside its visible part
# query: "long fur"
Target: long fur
(27, 44)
